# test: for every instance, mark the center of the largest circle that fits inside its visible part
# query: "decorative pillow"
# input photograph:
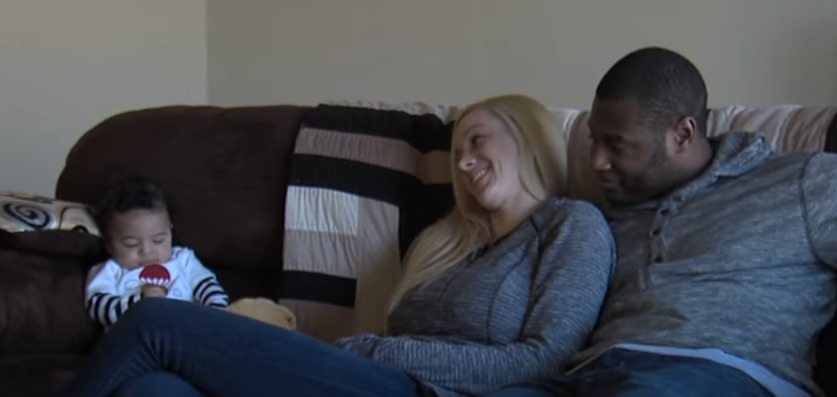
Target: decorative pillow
(42, 225)
(21, 212)
(363, 183)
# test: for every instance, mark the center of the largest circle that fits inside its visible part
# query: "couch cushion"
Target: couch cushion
(224, 170)
(363, 183)
(37, 375)
(788, 128)
(41, 307)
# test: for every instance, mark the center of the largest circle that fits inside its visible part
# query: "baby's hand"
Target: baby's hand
(155, 279)
(153, 291)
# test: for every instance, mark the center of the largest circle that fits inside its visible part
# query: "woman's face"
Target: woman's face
(487, 160)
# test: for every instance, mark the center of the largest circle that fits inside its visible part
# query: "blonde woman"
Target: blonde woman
(502, 290)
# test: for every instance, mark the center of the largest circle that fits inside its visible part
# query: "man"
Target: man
(726, 249)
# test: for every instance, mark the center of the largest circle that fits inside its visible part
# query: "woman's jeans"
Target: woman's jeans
(163, 347)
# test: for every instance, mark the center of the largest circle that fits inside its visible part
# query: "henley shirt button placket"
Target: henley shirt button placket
(656, 230)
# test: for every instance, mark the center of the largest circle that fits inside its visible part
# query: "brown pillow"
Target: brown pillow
(76, 245)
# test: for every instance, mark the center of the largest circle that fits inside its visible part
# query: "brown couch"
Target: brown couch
(226, 171)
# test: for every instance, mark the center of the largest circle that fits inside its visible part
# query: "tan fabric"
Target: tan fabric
(348, 236)
(321, 320)
(383, 152)
(789, 128)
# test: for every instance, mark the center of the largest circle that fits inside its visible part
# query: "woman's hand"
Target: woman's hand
(153, 291)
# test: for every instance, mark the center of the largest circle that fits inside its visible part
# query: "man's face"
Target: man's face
(631, 162)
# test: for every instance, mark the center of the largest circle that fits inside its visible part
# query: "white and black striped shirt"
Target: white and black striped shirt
(111, 289)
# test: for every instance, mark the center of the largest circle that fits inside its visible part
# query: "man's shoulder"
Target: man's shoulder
(823, 162)
(783, 164)
(819, 176)
(818, 165)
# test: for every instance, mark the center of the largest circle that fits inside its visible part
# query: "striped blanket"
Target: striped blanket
(363, 184)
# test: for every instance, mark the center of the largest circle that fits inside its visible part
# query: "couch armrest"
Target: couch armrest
(63, 243)
(41, 304)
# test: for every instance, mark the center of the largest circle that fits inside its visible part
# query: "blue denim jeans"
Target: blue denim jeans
(164, 347)
(627, 373)
(157, 384)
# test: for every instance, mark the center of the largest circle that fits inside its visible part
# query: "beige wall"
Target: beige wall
(66, 65)
(452, 51)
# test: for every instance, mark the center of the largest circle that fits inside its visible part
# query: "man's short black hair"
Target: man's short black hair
(665, 85)
(130, 193)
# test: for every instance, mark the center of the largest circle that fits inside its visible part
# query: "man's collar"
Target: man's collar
(736, 153)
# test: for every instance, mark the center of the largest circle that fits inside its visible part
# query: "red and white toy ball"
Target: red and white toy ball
(155, 274)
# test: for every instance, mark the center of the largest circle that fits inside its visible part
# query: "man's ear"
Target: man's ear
(685, 132)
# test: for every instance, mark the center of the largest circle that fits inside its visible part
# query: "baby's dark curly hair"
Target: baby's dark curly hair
(130, 193)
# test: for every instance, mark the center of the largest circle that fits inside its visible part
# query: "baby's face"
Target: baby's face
(139, 237)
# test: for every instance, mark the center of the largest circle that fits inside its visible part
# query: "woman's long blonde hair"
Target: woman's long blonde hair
(542, 154)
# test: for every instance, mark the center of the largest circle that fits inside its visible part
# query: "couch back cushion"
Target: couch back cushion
(224, 170)
(788, 127)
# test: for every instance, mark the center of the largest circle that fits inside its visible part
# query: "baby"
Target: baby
(134, 220)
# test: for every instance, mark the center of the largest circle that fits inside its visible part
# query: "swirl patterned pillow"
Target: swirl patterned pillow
(21, 212)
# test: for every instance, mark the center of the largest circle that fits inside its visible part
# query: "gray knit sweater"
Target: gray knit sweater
(511, 313)
(740, 259)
